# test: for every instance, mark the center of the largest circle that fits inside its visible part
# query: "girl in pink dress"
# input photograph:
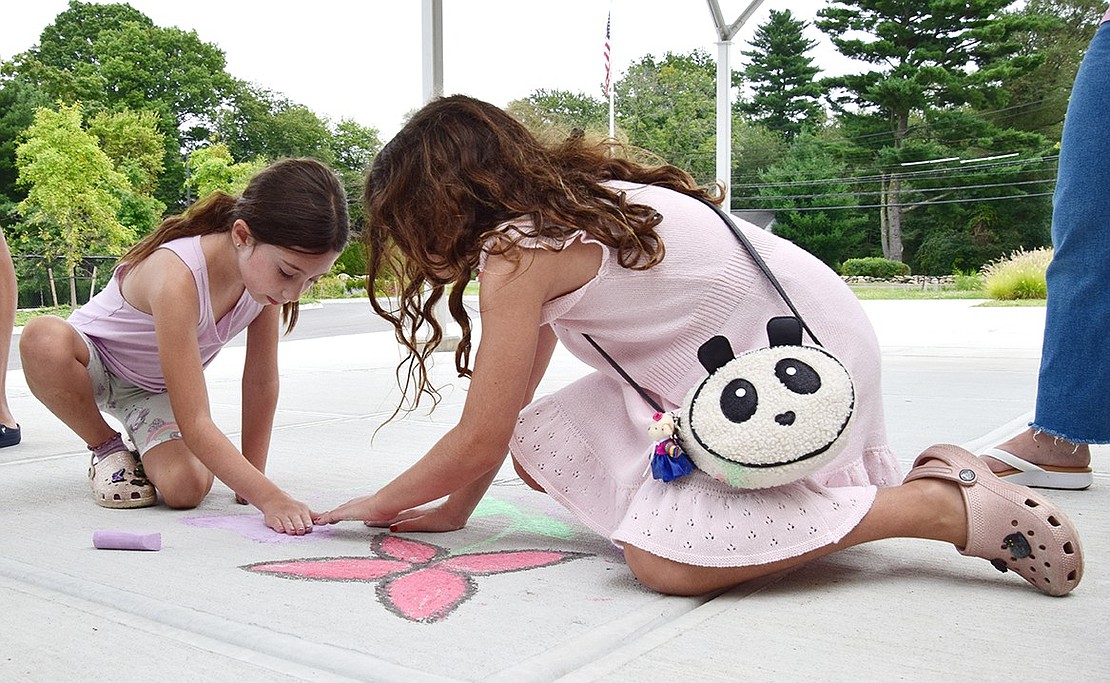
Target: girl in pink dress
(572, 241)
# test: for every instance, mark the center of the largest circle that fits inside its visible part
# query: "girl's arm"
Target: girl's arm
(260, 387)
(171, 296)
(507, 367)
(454, 513)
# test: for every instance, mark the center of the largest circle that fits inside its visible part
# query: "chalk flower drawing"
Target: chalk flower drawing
(417, 581)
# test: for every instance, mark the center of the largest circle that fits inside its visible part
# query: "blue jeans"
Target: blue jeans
(1073, 393)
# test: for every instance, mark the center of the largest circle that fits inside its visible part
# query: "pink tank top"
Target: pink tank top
(125, 335)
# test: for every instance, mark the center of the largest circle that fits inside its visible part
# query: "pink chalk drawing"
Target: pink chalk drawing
(417, 581)
(254, 528)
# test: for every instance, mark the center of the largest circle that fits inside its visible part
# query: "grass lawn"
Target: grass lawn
(864, 293)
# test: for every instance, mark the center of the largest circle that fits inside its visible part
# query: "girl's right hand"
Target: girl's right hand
(363, 508)
(288, 516)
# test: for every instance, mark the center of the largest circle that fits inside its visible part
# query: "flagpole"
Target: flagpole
(608, 75)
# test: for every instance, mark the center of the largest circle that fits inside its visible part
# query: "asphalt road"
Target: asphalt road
(329, 319)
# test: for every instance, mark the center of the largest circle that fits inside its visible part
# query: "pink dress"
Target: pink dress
(587, 444)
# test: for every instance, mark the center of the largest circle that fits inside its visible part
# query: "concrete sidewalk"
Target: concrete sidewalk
(524, 593)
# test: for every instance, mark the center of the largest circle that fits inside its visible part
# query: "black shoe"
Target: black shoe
(9, 436)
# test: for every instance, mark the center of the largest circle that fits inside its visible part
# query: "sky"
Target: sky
(361, 59)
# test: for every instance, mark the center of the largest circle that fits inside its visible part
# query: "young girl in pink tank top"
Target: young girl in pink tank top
(138, 349)
(574, 240)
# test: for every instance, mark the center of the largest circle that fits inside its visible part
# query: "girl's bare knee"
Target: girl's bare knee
(527, 478)
(676, 578)
(179, 476)
(186, 492)
(44, 341)
(660, 574)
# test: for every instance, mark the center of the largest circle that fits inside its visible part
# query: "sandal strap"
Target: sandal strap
(1019, 464)
(933, 466)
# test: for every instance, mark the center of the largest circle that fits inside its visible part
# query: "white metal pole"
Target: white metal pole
(724, 120)
(432, 81)
(725, 33)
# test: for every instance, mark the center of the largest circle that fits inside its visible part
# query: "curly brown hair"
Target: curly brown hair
(461, 168)
(296, 204)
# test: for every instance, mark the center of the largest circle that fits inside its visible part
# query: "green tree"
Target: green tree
(18, 102)
(561, 112)
(781, 75)
(813, 202)
(73, 192)
(133, 142)
(354, 147)
(259, 123)
(113, 57)
(668, 107)
(930, 54)
(212, 168)
(1039, 98)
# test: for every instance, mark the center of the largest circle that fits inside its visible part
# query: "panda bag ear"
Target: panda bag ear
(784, 330)
(715, 353)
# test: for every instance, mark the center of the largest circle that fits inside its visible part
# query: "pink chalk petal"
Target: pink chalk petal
(505, 561)
(425, 595)
(332, 568)
(406, 549)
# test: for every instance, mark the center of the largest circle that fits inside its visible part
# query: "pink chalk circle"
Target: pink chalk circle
(105, 539)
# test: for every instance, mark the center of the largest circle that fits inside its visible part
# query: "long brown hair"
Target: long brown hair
(459, 169)
(296, 204)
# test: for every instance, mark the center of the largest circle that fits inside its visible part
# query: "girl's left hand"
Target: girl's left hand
(434, 519)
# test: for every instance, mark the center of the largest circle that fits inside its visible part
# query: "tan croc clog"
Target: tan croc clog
(118, 481)
(1012, 526)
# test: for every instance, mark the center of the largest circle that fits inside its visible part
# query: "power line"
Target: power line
(905, 190)
(973, 200)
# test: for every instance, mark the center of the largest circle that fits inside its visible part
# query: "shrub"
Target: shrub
(969, 281)
(1018, 276)
(329, 287)
(353, 259)
(874, 266)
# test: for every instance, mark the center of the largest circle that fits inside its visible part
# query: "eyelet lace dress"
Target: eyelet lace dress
(587, 444)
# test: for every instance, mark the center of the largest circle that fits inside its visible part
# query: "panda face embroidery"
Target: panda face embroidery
(761, 418)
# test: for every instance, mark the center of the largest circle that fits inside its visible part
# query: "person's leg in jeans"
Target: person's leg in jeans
(1073, 401)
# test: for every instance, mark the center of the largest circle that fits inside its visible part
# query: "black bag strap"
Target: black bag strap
(762, 265)
(724, 216)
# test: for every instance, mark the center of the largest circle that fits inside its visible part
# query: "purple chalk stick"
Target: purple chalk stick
(126, 540)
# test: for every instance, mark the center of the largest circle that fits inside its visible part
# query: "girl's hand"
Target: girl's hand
(363, 509)
(288, 516)
(435, 519)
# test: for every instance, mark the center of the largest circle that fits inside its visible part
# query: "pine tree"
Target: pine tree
(781, 75)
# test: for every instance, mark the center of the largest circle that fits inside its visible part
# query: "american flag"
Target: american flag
(608, 18)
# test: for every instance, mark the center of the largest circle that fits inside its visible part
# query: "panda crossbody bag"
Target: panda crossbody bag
(765, 418)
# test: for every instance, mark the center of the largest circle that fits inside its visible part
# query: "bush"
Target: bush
(330, 287)
(1018, 276)
(874, 266)
(969, 281)
(353, 259)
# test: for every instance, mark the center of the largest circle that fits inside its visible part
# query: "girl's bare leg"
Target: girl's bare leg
(54, 363)
(179, 476)
(924, 508)
(9, 300)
